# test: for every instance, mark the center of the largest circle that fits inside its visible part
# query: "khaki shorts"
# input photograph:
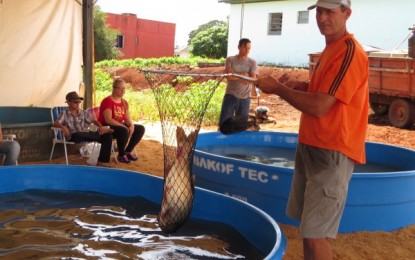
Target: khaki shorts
(319, 190)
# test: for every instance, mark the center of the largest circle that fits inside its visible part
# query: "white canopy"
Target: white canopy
(40, 51)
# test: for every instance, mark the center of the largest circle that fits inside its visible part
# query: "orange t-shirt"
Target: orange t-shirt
(342, 71)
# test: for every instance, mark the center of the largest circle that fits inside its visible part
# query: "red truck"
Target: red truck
(392, 87)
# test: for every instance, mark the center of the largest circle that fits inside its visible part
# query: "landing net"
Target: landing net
(182, 99)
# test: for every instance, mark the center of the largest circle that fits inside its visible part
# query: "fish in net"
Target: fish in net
(182, 99)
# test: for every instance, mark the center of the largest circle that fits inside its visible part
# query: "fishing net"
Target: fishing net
(182, 99)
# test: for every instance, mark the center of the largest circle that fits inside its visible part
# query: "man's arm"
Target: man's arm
(101, 129)
(97, 123)
(64, 129)
(311, 103)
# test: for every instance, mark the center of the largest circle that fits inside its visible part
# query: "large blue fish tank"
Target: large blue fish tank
(257, 167)
(253, 224)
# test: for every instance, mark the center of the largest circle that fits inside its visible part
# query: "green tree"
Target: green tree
(211, 43)
(204, 27)
(104, 37)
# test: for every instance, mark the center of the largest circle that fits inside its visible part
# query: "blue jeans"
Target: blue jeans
(11, 151)
(233, 107)
(234, 114)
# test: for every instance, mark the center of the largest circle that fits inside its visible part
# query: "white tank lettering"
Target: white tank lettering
(253, 175)
(213, 165)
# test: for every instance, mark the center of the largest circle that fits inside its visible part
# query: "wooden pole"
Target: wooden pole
(88, 52)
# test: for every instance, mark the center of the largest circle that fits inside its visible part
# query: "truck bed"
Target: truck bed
(392, 74)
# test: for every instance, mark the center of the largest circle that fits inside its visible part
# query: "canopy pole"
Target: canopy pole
(88, 51)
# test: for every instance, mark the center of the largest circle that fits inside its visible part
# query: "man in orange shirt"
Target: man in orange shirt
(332, 130)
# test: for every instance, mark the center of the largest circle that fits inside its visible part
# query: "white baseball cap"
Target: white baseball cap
(331, 4)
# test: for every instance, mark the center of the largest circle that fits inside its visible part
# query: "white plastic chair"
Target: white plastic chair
(58, 137)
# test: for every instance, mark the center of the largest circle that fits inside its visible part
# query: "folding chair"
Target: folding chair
(58, 137)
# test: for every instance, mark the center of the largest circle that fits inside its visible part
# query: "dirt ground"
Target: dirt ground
(360, 245)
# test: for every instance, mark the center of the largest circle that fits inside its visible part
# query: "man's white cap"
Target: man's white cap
(331, 4)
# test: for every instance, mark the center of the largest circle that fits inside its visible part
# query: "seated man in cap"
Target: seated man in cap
(74, 123)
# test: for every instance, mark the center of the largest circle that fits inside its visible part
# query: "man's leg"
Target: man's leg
(239, 122)
(234, 125)
(80, 137)
(228, 108)
(317, 249)
(242, 108)
(328, 174)
(11, 151)
(105, 152)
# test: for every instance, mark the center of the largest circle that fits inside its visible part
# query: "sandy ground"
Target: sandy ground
(360, 245)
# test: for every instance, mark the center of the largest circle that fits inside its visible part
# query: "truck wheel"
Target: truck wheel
(379, 109)
(402, 113)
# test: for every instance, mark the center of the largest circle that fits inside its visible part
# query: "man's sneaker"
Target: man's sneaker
(131, 157)
(123, 159)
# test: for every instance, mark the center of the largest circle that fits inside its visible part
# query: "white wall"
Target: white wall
(379, 23)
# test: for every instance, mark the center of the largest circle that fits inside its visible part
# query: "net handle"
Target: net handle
(182, 73)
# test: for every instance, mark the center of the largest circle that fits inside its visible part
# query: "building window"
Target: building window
(275, 24)
(119, 43)
(302, 17)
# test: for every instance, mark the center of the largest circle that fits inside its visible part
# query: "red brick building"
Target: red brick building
(142, 38)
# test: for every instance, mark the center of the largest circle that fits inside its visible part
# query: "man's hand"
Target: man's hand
(268, 84)
(105, 130)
